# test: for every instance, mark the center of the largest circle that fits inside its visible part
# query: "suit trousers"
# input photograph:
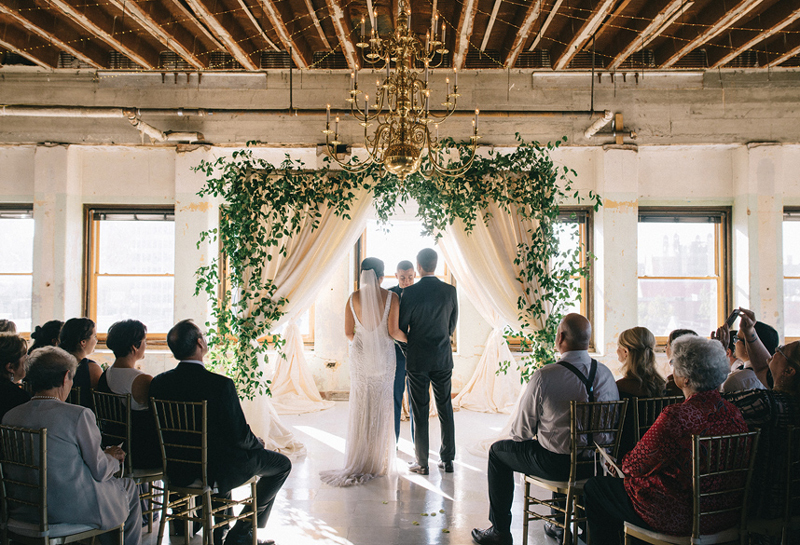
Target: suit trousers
(419, 383)
(273, 470)
(399, 390)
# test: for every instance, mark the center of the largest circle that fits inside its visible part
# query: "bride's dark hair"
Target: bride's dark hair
(374, 264)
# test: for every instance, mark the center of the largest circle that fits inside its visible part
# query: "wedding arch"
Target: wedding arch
(495, 225)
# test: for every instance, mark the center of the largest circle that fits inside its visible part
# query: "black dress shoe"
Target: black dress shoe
(416, 468)
(490, 536)
(446, 466)
(245, 538)
(556, 532)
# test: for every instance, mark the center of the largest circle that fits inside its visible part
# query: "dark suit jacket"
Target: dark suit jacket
(400, 348)
(428, 315)
(232, 447)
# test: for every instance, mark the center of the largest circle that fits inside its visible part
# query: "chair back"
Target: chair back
(598, 422)
(792, 473)
(722, 467)
(74, 396)
(647, 409)
(23, 472)
(113, 412)
(182, 434)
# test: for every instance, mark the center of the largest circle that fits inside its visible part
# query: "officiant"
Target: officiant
(405, 277)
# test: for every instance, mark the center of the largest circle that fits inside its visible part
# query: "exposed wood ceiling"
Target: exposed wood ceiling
(196, 35)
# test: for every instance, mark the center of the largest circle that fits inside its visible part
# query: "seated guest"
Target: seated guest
(234, 453)
(79, 337)
(128, 340)
(671, 389)
(540, 435)
(45, 335)
(7, 326)
(656, 492)
(12, 362)
(742, 376)
(81, 487)
(733, 352)
(636, 352)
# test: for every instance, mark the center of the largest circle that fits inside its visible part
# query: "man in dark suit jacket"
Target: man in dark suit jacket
(405, 278)
(234, 453)
(428, 315)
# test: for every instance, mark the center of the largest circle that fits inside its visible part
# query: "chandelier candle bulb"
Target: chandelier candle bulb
(444, 33)
(363, 28)
(408, 19)
(337, 127)
(455, 71)
(447, 81)
(366, 107)
(328, 116)
(476, 120)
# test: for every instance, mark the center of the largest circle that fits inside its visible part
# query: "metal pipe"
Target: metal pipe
(599, 124)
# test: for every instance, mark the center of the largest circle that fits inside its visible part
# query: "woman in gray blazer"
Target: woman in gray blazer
(81, 487)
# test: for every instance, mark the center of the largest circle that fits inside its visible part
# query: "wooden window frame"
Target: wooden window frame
(722, 252)
(91, 251)
(790, 213)
(22, 209)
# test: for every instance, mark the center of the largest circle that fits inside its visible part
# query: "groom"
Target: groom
(428, 315)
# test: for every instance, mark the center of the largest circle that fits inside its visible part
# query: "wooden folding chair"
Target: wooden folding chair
(647, 409)
(23, 484)
(726, 460)
(74, 396)
(183, 437)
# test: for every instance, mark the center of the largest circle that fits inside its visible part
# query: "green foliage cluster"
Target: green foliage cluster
(264, 207)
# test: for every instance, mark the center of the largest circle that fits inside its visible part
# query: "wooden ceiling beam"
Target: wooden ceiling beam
(247, 11)
(774, 20)
(301, 56)
(789, 47)
(29, 46)
(313, 14)
(564, 54)
(490, 24)
(466, 22)
(619, 12)
(531, 15)
(179, 41)
(65, 38)
(712, 21)
(187, 17)
(543, 29)
(344, 32)
(221, 29)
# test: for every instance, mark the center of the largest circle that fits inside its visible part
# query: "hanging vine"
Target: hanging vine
(264, 206)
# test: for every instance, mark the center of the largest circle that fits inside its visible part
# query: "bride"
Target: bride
(370, 323)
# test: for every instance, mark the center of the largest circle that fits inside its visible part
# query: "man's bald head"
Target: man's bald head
(574, 333)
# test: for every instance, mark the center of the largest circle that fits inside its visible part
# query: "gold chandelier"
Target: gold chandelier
(402, 104)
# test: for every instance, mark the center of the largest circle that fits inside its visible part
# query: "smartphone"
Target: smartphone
(732, 317)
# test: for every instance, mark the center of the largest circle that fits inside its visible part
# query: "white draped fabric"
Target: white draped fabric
(483, 264)
(266, 423)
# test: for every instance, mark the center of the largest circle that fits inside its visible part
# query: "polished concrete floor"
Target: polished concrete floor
(406, 509)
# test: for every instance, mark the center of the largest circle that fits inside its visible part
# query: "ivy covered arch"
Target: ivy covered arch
(264, 206)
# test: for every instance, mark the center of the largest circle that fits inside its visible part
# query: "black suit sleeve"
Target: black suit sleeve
(454, 314)
(405, 313)
(233, 422)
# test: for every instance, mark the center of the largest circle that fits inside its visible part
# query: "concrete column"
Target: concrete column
(615, 230)
(58, 244)
(193, 215)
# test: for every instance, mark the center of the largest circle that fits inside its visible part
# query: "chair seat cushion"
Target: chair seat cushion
(731, 534)
(31, 529)
(141, 473)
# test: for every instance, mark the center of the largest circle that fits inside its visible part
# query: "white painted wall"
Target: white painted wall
(755, 180)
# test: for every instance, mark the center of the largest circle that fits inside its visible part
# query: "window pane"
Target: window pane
(148, 299)
(665, 305)
(15, 300)
(568, 234)
(16, 247)
(791, 248)
(137, 247)
(676, 249)
(398, 241)
(791, 307)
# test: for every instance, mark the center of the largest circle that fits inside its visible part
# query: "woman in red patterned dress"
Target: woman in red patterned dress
(656, 492)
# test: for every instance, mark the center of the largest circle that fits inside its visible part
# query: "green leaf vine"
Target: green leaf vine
(264, 206)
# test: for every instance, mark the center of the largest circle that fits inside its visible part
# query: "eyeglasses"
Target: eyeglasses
(779, 350)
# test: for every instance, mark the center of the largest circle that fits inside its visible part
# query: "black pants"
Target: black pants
(273, 471)
(607, 508)
(419, 383)
(528, 457)
(399, 390)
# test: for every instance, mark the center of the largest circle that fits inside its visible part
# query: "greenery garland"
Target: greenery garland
(263, 206)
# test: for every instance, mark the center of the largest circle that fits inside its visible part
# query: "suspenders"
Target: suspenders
(588, 382)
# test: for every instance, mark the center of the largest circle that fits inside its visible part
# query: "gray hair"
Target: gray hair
(701, 361)
(47, 366)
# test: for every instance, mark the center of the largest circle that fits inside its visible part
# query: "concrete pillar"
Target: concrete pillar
(58, 244)
(193, 215)
(615, 230)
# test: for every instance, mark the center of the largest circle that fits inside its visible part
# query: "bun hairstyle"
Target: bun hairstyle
(46, 335)
(373, 263)
(641, 363)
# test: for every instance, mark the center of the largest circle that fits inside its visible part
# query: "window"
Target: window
(572, 231)
(791, 274)
(16, 267)
(682, 269)
(131, 265)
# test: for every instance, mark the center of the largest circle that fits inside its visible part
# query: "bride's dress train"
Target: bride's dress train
(370, 447)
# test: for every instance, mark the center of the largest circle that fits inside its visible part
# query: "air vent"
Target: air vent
(696, 59)
(641, 59)
(489, 59)
(65, 60)
(9, 57)
(538, 58)
(118, 61)
(169, 60)
(329, 60)
(748, 59)
(276, 60)
(219, 60)
(583, 60)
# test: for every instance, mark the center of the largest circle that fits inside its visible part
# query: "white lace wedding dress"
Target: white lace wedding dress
(370, 447)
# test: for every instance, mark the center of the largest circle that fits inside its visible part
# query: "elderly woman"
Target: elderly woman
(656, 492)
(81, 487)
(12, 360)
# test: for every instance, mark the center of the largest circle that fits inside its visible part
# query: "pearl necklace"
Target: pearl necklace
(46, 397)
